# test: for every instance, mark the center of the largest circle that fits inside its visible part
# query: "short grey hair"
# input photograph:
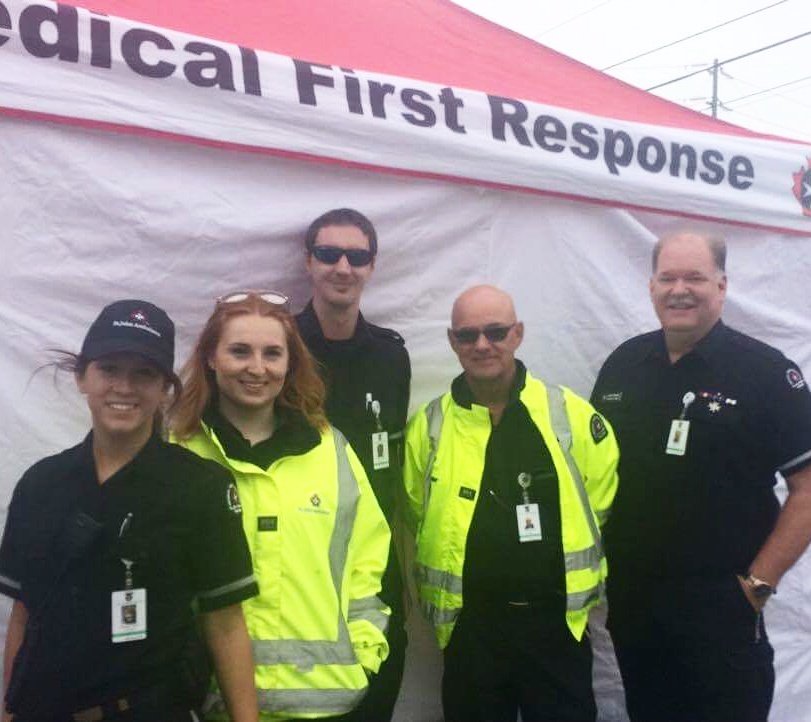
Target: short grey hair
(715, 242)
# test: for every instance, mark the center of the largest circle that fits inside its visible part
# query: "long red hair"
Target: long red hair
(303, 390)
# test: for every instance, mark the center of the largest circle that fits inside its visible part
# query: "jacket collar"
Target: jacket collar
(463, 396)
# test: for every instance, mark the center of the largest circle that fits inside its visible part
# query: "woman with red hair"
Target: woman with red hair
(253, 402)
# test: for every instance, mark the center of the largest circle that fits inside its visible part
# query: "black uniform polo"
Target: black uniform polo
(499, 568)
(373, 362)
(175, 515)
(706, 513)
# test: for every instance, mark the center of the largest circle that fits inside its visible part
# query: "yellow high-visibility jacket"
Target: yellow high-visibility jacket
(319, 544)
(445, 450)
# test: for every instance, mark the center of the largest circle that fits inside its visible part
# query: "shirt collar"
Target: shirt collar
(293, 436)
(463, 396)
(310, 328)
(707, 347)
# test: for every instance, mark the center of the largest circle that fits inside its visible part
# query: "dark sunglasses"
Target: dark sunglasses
(469, 335)
(332, 254)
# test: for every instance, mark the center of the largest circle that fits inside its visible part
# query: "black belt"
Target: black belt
(124, 703)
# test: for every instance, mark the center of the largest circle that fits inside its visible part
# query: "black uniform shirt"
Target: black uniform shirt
(707, 512)
(498, 567)
(184, 536)
(374, 361)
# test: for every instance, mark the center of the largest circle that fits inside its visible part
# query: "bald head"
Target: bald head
(482, 302)
(485, 334)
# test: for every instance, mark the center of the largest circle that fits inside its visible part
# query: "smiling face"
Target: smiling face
(123, 391)
(478, 309)
(687, 288)
(339, 285)
(250, 363)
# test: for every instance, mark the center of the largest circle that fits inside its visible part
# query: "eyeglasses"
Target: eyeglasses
(332, 254)
(469, 335)
(272, 297)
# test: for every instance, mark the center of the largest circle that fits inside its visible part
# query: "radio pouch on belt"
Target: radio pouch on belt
(35, 689)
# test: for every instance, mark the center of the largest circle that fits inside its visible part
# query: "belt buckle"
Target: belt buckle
(100, 712)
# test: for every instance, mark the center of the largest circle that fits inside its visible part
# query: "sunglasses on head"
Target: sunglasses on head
(272, 297)
(469, 335)
(332, 254)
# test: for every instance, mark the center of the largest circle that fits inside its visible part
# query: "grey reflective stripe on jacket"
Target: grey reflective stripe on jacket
(307, 653)
(589, 558)
(434, 418)
(306, 701)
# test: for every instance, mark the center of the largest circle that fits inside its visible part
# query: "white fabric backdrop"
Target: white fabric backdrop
(88, 217)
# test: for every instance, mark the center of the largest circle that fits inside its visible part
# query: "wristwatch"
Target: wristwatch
(760, 589)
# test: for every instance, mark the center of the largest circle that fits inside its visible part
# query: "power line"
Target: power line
(767, 90)
(690, 37)
(729, 60)
(575, 17)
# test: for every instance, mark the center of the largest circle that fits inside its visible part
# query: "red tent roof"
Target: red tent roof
(432, 40)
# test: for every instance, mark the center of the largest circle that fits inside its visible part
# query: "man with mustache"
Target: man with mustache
(697, 541)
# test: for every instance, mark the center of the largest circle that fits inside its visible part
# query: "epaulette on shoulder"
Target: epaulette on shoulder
(752, 345)
(386, 333)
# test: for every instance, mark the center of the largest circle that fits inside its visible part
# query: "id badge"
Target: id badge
(129, 615)
(529, 522)
(380, 450)
(677, 441)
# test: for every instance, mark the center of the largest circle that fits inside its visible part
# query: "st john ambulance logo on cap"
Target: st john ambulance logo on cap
(795, 378)
(139, 317)
(802, 187)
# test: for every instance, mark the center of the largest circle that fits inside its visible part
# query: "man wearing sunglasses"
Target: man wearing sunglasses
(508, 481)
(368, 375)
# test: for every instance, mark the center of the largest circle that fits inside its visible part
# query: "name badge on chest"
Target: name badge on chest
(528, 514)
(129, 615)
(680, 429)
(380, 439)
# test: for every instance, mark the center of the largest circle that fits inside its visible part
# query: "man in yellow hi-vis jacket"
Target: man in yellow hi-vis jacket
(508, 481)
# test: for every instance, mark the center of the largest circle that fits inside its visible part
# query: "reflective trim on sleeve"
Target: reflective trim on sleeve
(377, 618)
(580, 600)
(602, 515)
(309, 701)
(371, 609)
(226, 588)
(438, 578)
(583, 559)
(796, 461)
(563, 430)
(437, 616)
(10, 583)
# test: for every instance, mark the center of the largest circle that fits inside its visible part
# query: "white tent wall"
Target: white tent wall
(90, 216)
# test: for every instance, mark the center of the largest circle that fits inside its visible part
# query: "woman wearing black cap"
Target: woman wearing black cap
(108, 544)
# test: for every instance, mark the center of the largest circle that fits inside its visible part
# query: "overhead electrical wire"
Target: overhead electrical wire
(729, 60)
(767, 90)
(694, 35)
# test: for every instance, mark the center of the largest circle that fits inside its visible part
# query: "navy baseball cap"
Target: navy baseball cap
(133, 326)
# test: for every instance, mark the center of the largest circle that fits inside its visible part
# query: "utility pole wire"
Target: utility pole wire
(729, 60)
(767, 90)
(690, 37)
